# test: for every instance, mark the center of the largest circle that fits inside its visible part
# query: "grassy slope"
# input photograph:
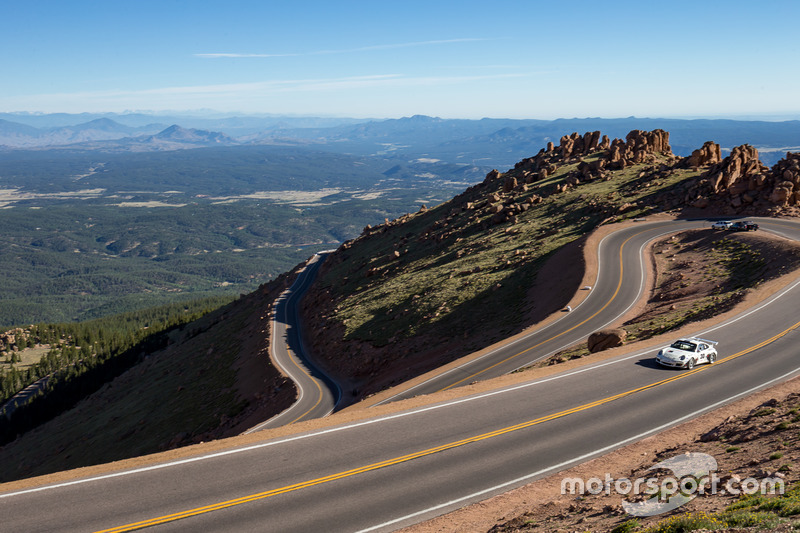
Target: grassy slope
(458, 274)
(701, 274)
(453, 287)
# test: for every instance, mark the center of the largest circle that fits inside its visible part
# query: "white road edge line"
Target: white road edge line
(384, 418)
(392, 416)
(578, 459)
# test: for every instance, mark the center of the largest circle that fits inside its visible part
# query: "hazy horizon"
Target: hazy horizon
(210, 113)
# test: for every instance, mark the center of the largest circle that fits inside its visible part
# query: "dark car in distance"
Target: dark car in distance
(744, 225)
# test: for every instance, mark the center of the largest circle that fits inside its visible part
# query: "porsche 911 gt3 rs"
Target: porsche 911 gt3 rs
(688, 352)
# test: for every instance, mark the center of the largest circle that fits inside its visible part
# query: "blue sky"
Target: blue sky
(386, 58)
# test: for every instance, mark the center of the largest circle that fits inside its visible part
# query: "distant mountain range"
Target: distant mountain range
(105, 133)
(488, 142)
(18, 135)
(234, 126)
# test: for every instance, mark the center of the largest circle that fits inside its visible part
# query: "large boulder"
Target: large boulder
(782, 193)
(590, 141)
(605, 339)
(509, 184)
(491, 176)
(709, 154)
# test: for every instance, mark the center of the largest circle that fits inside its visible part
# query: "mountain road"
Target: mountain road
(317, 393)
(391, 471)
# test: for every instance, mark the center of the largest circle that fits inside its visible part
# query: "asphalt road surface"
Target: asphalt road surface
(385, 473)
(317, 394)
(620, 284)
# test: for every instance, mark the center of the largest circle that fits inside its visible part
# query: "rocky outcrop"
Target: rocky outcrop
(638, 147)
(578, 145)
(739, 184)
(736, 185)
(7, 340)
(707, 155)
(501, 207)
(491, 176)
(739, 172)
(14, 340)
(605, 339)
(656, 141)
(786, 187)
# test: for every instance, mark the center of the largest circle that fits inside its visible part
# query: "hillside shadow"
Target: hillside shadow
(526, 296)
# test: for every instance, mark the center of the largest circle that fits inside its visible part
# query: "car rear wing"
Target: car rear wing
(713, 343)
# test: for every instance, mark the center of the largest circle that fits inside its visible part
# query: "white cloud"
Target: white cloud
(259, 96)
(225, 55)
(342, 51)
(281, 85)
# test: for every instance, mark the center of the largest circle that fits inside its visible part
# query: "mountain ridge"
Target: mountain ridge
(396, 301)
(499, 142)
(192, 136)
(18, 135)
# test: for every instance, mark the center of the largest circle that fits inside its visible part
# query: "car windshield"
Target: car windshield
(684, 345)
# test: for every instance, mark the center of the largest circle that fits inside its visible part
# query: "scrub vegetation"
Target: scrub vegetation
(455, 269)
(702, 273)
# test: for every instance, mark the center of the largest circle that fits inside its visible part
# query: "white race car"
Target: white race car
(685, 353)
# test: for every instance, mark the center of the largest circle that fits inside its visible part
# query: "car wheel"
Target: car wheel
(690, 364)
(711, 358)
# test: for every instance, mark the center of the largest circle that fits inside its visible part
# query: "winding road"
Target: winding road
(621, 283)
(387, 472)
(317, 393)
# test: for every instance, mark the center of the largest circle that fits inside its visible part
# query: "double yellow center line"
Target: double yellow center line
(430, 451)
(613, 297)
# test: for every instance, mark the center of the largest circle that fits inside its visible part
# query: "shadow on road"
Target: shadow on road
(650, 362)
